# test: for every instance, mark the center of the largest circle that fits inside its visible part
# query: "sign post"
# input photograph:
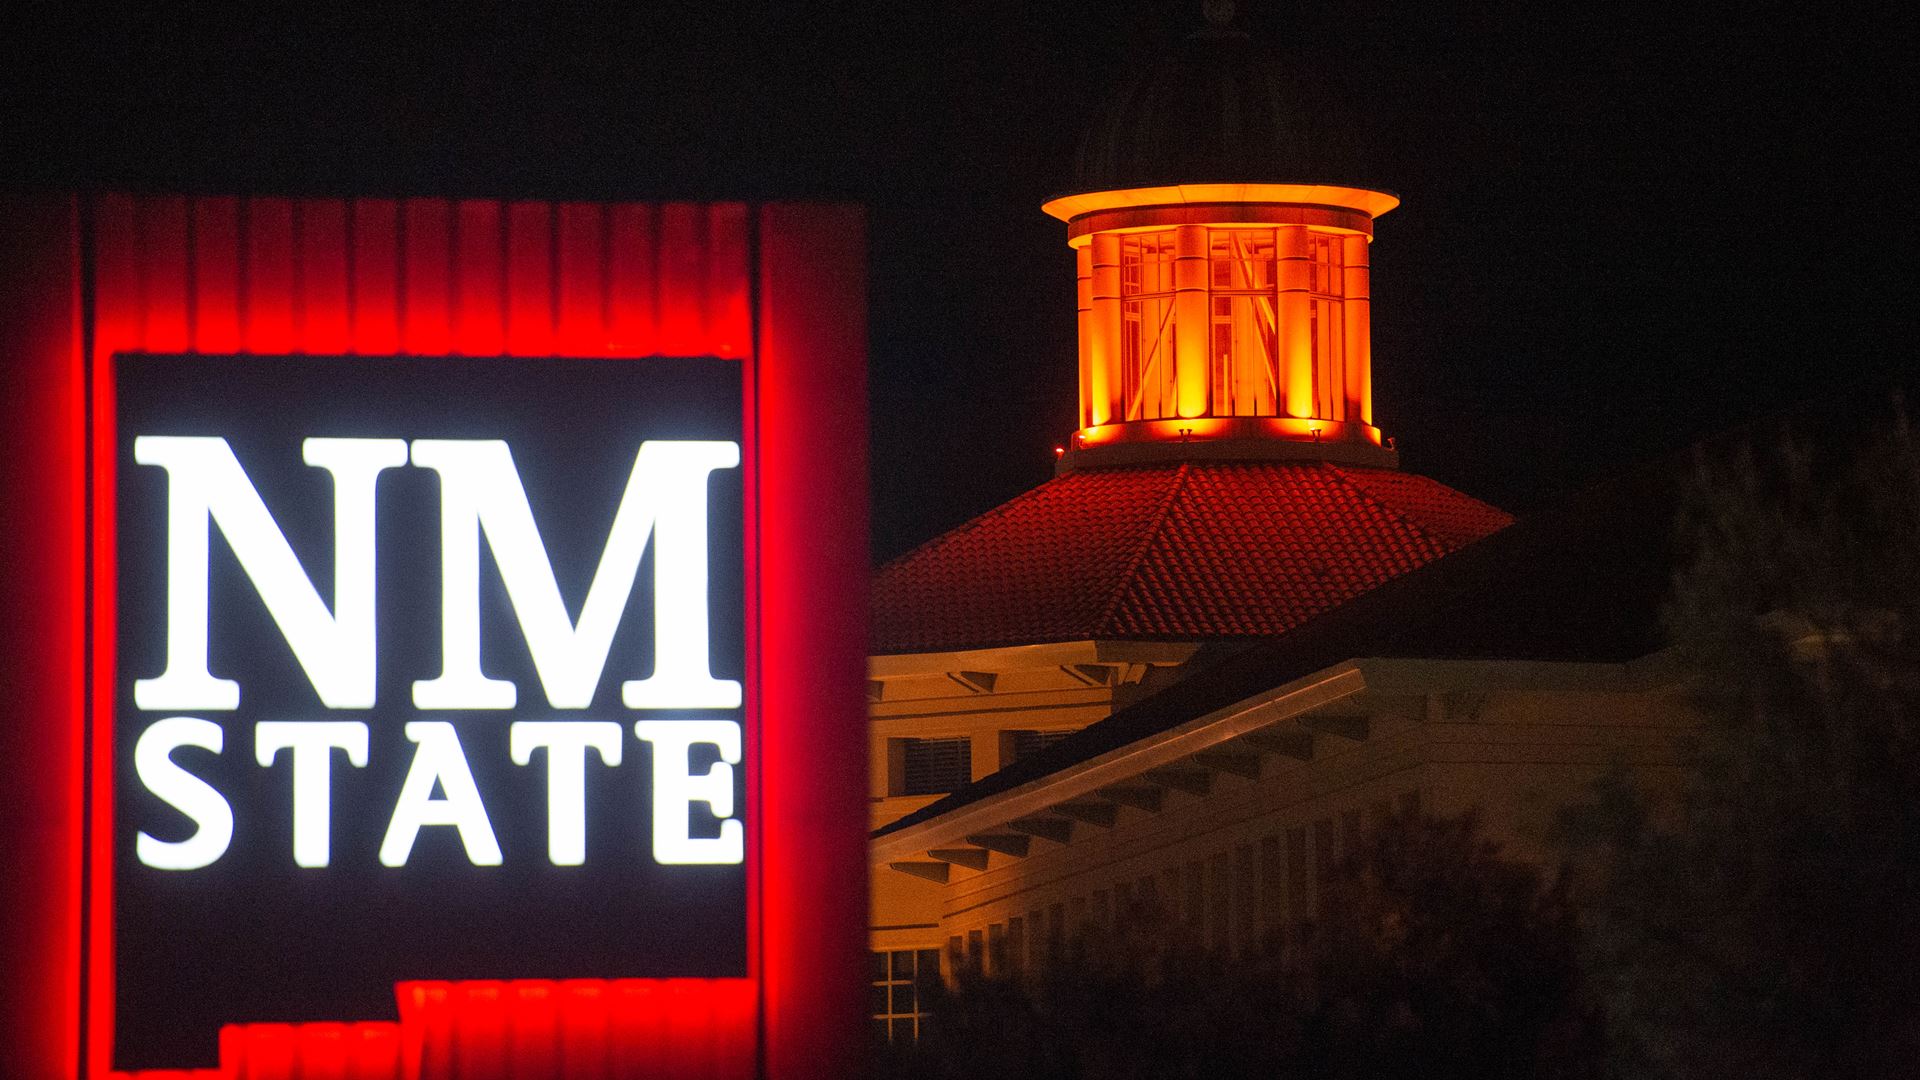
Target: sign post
(445, 627)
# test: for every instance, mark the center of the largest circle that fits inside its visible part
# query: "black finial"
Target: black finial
(1219, 16)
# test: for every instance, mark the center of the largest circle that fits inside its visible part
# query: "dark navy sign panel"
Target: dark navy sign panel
(254, 937)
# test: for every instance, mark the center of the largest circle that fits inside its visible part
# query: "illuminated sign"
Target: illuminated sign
(437, 638)
(427, 668)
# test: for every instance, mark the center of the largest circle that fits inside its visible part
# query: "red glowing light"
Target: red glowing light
(430, 277)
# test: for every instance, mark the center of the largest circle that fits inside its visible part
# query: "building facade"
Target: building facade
(1230, 634)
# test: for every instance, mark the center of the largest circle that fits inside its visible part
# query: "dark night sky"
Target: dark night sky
(1624, 226)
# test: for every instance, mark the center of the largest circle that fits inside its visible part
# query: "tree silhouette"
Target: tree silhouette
(1435, 957)
(1769, 924)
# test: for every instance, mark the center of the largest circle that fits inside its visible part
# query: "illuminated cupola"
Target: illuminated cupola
(1222, 254)
(1227, 480)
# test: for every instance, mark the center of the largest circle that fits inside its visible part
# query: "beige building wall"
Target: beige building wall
(1242, 829)
(984, 696)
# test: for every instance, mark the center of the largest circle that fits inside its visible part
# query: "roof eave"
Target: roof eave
(1031, 657)
(913, 836)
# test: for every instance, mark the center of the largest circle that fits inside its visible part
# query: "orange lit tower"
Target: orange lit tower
(1226, 487)
(1229, 319)
(1227, 479)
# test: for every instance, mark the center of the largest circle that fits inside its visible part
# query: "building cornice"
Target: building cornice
(1282, 713)
(1363, 200)
(1031, 657)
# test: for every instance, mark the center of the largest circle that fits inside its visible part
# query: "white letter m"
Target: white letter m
(665, 503)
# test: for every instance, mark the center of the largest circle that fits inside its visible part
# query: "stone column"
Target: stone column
(1103, 375)
(1294, 275)
(1192, 325)
(1083, 294)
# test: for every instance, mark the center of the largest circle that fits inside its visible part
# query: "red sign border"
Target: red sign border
(794, 312)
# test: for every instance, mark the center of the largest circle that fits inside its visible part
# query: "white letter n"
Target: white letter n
(205, 483)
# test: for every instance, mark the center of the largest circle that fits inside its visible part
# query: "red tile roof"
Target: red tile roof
(1177, 551)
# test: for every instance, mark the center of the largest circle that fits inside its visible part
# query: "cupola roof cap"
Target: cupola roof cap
(1218, 108)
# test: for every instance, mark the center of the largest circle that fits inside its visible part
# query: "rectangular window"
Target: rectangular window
(1016, 944)
(1219, 901)
(1102, 913)
(1146, 333)
(1297, 899)
(1028, 743)
(1246, 929)
(1328, 328)
(1329, 251)
(935, 766)
(997, 949)
(1196, 899)
(1245, 365)
(1273, 871)
(1322, 864)
(898, 989)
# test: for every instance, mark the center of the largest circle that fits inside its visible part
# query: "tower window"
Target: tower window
(1146, 334)
(1326, 296)
(1244, 353)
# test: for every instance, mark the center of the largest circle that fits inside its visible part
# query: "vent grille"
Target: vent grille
(937, 766)
(1028, 743)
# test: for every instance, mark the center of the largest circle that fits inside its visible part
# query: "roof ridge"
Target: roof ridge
(1398, 514)
(1147, 538)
